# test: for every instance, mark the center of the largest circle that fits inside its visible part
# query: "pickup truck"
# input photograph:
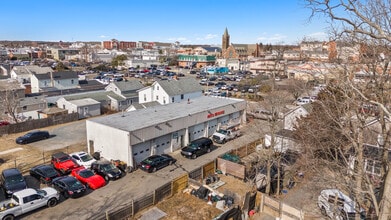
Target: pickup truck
(27, 200)
(226, 133)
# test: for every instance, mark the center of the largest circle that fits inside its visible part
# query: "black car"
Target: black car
(32, 137)
(12, 181)
(44, 173)
(156, 162)
(197, 147)
(69, 186)
(106, 169)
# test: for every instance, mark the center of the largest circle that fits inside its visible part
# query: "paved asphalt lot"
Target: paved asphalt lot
(121, 192)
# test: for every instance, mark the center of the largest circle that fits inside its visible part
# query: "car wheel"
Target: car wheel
(154, 170)
(66, 195)
(52, 202)
(9, 217)
(170, 163)
(208, 150)
(41, 180)
(224, 141)
(194, 156)
(323, 211)
(106, 178)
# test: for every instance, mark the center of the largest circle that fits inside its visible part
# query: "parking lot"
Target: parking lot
(115, 193)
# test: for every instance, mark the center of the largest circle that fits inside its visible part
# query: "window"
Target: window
(24, 107)
(164, 100)
(173, 100)
(145, 97)
(45, 83)
(72, 81)
(157, 97)
(157, 87)
(182, 96)
(58, 81)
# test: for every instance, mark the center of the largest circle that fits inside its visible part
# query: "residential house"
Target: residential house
(86, 107)
(30, 107)
(23, 73)
(127, 90)
(373, 148)
(171, 91)
(197, 61)
(54, 81)
(10, 93)
(284, 138)
(52, 112)
(137, 106)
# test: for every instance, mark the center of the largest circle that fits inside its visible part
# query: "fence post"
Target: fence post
(15, 162)
(262, 203)
(107, 215)
(132, 207)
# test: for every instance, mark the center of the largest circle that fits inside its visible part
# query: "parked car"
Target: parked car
(4, 123)
(88, 178)
(44, 173)
(336, 205)
(32, 137)
(83, 159)
(197, 148)
(69, 186)
(106, 169)
(155, 162)
(63, 163)
(27, 200)
(12, 181)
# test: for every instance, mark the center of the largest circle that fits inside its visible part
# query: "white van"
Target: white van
(336, 205)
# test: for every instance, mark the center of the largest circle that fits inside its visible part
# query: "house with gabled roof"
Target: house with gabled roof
(86, 107)
(127, 90)
(171, 91)
(54, 81)
(23, 73)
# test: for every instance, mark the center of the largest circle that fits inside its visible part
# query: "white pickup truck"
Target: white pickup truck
(226, 133)
(27, 200)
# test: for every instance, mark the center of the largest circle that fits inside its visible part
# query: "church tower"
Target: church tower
(225, 43)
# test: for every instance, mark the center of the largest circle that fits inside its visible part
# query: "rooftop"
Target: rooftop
(134, 120)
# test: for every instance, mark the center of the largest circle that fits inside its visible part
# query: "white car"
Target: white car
(83, 159)
(337, 205)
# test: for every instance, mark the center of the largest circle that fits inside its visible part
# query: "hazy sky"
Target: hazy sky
(186, 21)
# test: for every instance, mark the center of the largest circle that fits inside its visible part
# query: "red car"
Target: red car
(89, 178)
(64, 163)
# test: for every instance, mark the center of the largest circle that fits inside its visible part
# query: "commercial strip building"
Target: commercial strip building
(133, 136)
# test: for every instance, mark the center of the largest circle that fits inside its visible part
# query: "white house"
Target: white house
(85, 107)
(54, 81)
(23, 73)
(171, 91)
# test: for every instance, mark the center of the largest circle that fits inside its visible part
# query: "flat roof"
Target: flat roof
(142, 118)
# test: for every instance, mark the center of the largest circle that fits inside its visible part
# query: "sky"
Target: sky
(168, 21)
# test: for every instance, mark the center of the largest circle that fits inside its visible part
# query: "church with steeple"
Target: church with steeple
(237, 51)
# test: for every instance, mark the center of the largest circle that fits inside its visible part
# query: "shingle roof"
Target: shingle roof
(58, 75)
(131, 85)
(99, 96)
(84, 102)
(181, 86)
(31, 100)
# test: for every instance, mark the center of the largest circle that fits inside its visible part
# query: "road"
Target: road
(133, 185)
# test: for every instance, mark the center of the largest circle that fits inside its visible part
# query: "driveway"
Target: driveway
(62, 136)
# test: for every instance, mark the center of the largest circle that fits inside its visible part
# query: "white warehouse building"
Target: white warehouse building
(133, 136)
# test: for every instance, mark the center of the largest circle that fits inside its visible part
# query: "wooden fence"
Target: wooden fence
(279, 209)
(38, 123)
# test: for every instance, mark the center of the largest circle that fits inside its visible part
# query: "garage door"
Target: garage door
(223, 120)
(196, 131)
(162, 144)
(235, 117)
(141, 151)
(212, 127)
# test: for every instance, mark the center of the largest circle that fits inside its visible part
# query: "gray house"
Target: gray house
(86, 107)
(127, 90)
(54, 81)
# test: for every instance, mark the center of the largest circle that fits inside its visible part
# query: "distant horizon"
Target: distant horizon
(200, 22)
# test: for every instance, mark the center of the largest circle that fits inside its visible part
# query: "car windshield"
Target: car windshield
(86, 173)
(28, 135)
(86, 158)
(74, 184)
(148, 161)
(14, 179)
(63, 159)
(193, 146)
(221, 131)
(108, 167)
(49, 171)
(41, 192)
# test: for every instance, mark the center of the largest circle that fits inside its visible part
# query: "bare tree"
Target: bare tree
(10, 103)
(364, 23)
